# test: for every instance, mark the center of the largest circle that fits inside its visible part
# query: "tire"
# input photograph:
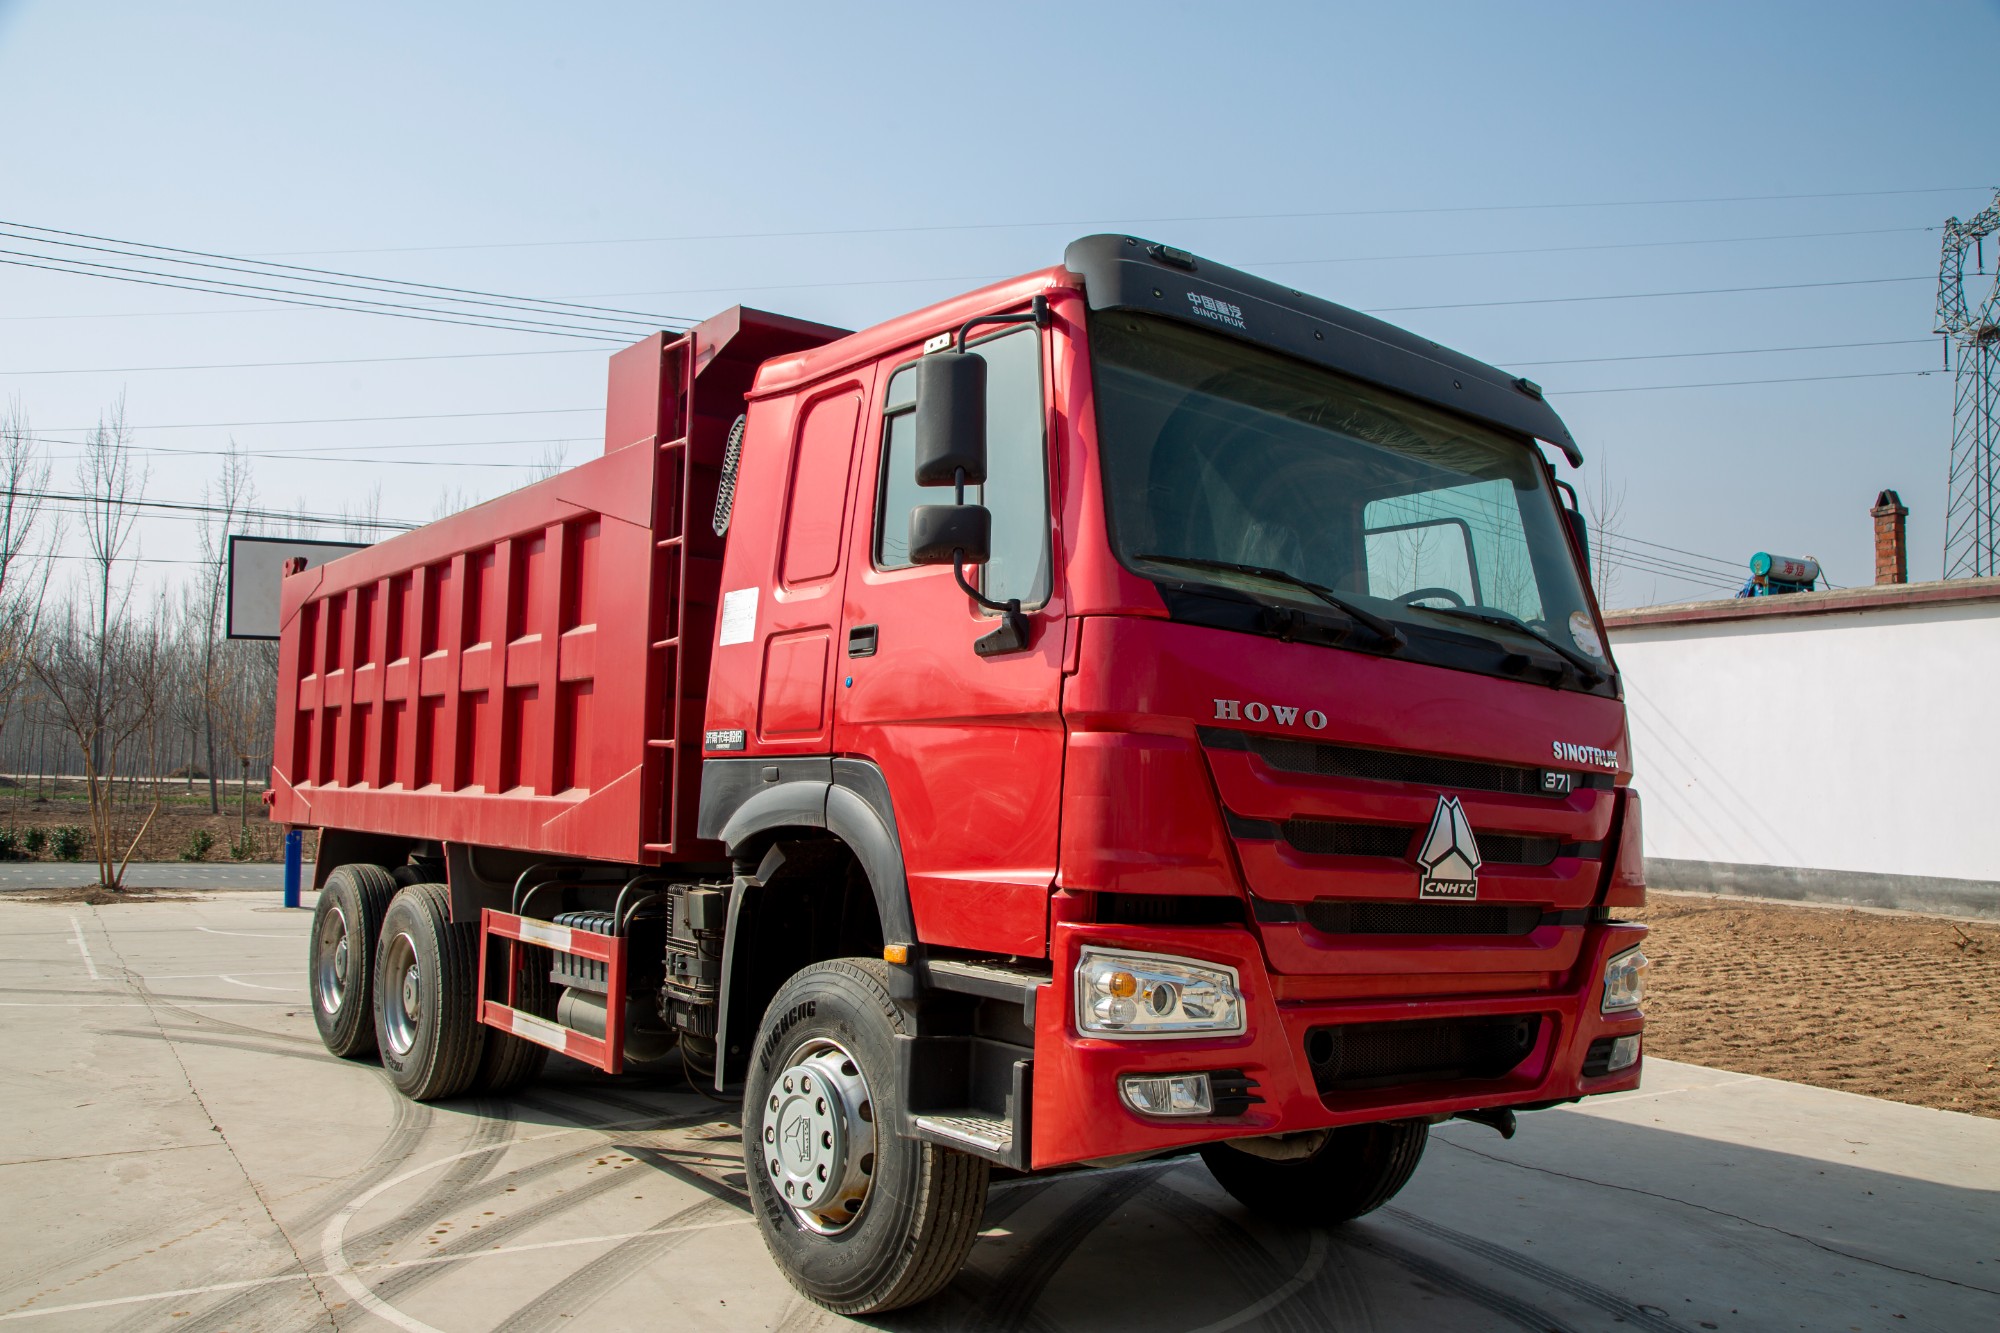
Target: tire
(508, 1062)
(340, 957)
(1357, 1170)
(426, 970)
(920, 1205)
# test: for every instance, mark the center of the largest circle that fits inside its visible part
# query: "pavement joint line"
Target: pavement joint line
(173, 1048)
(380, 1266)
(1722, 1212)
(116, 1152)
(89, 964)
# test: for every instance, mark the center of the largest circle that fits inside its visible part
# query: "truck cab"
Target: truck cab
(1143, 709)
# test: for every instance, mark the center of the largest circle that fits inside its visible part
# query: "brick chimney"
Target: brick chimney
(1892, 556)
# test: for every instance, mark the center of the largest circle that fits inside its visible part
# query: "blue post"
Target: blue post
(294, 842)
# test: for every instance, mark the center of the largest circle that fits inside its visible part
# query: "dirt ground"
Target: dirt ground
(1903, 1007)
(167, 838)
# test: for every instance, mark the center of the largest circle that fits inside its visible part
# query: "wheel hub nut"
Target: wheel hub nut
(818, 1139)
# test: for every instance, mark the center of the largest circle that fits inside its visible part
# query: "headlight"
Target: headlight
(1624, 981)
(1127, 995)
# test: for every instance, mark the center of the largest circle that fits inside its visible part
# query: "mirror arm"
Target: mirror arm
(1011, 635)
(1037, 314)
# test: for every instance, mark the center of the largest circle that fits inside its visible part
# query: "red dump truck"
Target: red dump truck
(1132, 709)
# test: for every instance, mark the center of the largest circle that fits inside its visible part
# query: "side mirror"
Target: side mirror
(1573, 515)
(951, 421)
(940, 534)
(1581, 531)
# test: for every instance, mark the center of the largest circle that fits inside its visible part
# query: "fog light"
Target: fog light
(1624, 1054)
(1167, 1094)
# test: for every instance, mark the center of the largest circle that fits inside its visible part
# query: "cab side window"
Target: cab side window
(1016, 489)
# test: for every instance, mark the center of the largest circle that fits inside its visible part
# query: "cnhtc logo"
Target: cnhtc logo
(1449, 861)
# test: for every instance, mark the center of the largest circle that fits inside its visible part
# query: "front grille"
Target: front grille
(1233, 1091)
(1332, 837)
(1514, 849)
(1168, 909)
(1355, 1056)
(1352, 761)
(1326, 837)
(1337, 918)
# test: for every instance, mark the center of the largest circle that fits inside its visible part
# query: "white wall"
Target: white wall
(1855, 741)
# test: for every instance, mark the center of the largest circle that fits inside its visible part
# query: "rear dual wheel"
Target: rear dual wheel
(340, 959)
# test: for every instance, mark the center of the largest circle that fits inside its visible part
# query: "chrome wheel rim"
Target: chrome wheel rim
(402, 995)
(817, 1136)
(330, 961)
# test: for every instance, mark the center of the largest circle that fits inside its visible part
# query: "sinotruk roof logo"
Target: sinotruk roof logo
(1449, 860)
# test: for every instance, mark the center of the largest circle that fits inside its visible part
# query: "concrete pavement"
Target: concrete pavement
(149, 875)
(180, 1152)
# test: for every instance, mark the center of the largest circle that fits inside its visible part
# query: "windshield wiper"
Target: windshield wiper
(1382, 629)
(1592, 674)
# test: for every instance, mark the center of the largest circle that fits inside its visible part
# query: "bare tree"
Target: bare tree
(552, 458)
(100, 666)
(24, 477)
(1604, 504)
(230, 495)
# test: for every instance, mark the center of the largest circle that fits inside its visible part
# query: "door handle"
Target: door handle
(861, 641)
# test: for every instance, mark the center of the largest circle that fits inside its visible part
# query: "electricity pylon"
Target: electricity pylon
(1972, 495)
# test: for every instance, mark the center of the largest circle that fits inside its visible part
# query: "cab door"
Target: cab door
(971, 747)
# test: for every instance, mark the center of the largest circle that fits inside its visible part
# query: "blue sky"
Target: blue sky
(852, 163)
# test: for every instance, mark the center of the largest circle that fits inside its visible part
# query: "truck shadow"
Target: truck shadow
(1582, 1222)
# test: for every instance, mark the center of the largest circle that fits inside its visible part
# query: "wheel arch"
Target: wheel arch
(808, 827)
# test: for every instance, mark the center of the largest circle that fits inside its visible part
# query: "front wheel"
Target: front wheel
(1355, 1170)
(859, 1218)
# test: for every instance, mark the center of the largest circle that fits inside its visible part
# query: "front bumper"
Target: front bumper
(1079, 1116)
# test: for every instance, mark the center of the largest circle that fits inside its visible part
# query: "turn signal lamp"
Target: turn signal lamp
(1137, 995)
(1628, 871)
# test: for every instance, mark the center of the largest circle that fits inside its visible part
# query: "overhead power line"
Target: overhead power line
(325, 361)
(1725, 384)
(1736, 351)
(61, 267)
(335, 421)
(87, 268)
(1129, 221)
(235, 264)
(1645, 296)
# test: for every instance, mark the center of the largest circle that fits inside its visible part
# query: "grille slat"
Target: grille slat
(1354, 1056)
(1338, 918)
(1321, 759)
(1333, 837)
(1326, 837)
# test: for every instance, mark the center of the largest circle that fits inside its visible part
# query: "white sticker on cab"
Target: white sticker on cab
(739, 616)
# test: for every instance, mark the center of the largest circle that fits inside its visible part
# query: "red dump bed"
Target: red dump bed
(532, 673)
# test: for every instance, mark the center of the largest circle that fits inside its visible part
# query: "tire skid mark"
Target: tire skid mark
(1335, 1293)
(1511, 1308)
(401, 1282)
(1021, 1283)
(1247, 1259)
(1589, 1293)
(410, 1122)
(592, 1281)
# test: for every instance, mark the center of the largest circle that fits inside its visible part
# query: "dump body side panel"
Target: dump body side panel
(531, 673)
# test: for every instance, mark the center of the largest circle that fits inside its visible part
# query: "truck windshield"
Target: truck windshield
(1219, 453)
